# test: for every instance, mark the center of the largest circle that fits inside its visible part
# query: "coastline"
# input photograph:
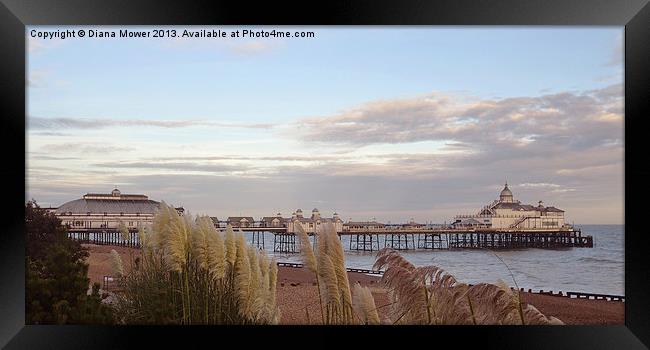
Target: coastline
(297, 294)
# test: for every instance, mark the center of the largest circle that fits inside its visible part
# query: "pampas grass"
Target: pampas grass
(143, 238)
(124, 231)
(364, 305)
(430, 295)
(190, 273)
(116, 264)
(328, 264)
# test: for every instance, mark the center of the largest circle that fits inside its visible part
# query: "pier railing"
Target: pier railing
(397, 238)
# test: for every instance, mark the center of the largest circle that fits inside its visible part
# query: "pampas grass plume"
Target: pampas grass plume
(231, 245)
(242, 272)
(364, 304)
(124, 231)
(306, 249)
(116, 263)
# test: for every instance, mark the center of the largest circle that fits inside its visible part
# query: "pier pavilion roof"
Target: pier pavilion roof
(524, 207)
(514, 206)
(110, 206)
(271, 218)
(240, 218)
(553, 209)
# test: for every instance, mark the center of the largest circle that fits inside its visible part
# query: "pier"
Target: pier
(505, 223)
(105, 237)
(363, 240)
(485, 238)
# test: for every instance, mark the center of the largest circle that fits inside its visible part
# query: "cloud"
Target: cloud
(38, 45)
(49, 133)
(36, 78)
(543, 123)
(255, 158)
(37, 155)
(39, 78)
(563, 190)
(423, 186)
(38, 123)
(84, 148)
(540, 185)
(176, 166)
(564, 148)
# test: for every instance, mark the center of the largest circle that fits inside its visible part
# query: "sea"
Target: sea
(597, 270)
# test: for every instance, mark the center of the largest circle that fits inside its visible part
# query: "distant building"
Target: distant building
(105, 211)
(507, 213)
(274, 221)
(311, 224)
(412, 225)
(470, 223)
(241, 221)
(363, 225)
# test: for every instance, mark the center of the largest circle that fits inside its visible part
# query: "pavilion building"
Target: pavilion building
(508, 213)
(105, 211)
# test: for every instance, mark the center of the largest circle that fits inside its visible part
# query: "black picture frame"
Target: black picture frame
(633, 14)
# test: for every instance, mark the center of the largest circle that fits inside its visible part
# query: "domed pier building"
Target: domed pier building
(508, 213)
(105, 211)
(311, 224)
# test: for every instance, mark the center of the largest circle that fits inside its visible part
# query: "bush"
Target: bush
(189, 273)
(56, 284)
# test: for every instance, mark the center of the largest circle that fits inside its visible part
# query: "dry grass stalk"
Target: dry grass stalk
(429, 295)
(190, 273)
(116, 263)
(364, 305)
(328, 264)
(124, 231)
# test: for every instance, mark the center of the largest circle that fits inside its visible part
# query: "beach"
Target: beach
(297, 294)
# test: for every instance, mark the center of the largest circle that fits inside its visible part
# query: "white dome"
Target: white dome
(506, 194)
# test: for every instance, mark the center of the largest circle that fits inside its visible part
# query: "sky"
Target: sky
(390, 123)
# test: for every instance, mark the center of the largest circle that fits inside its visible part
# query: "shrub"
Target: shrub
(56, 282)
(189, 273)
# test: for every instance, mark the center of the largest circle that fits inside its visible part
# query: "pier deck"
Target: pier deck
(400, 239)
